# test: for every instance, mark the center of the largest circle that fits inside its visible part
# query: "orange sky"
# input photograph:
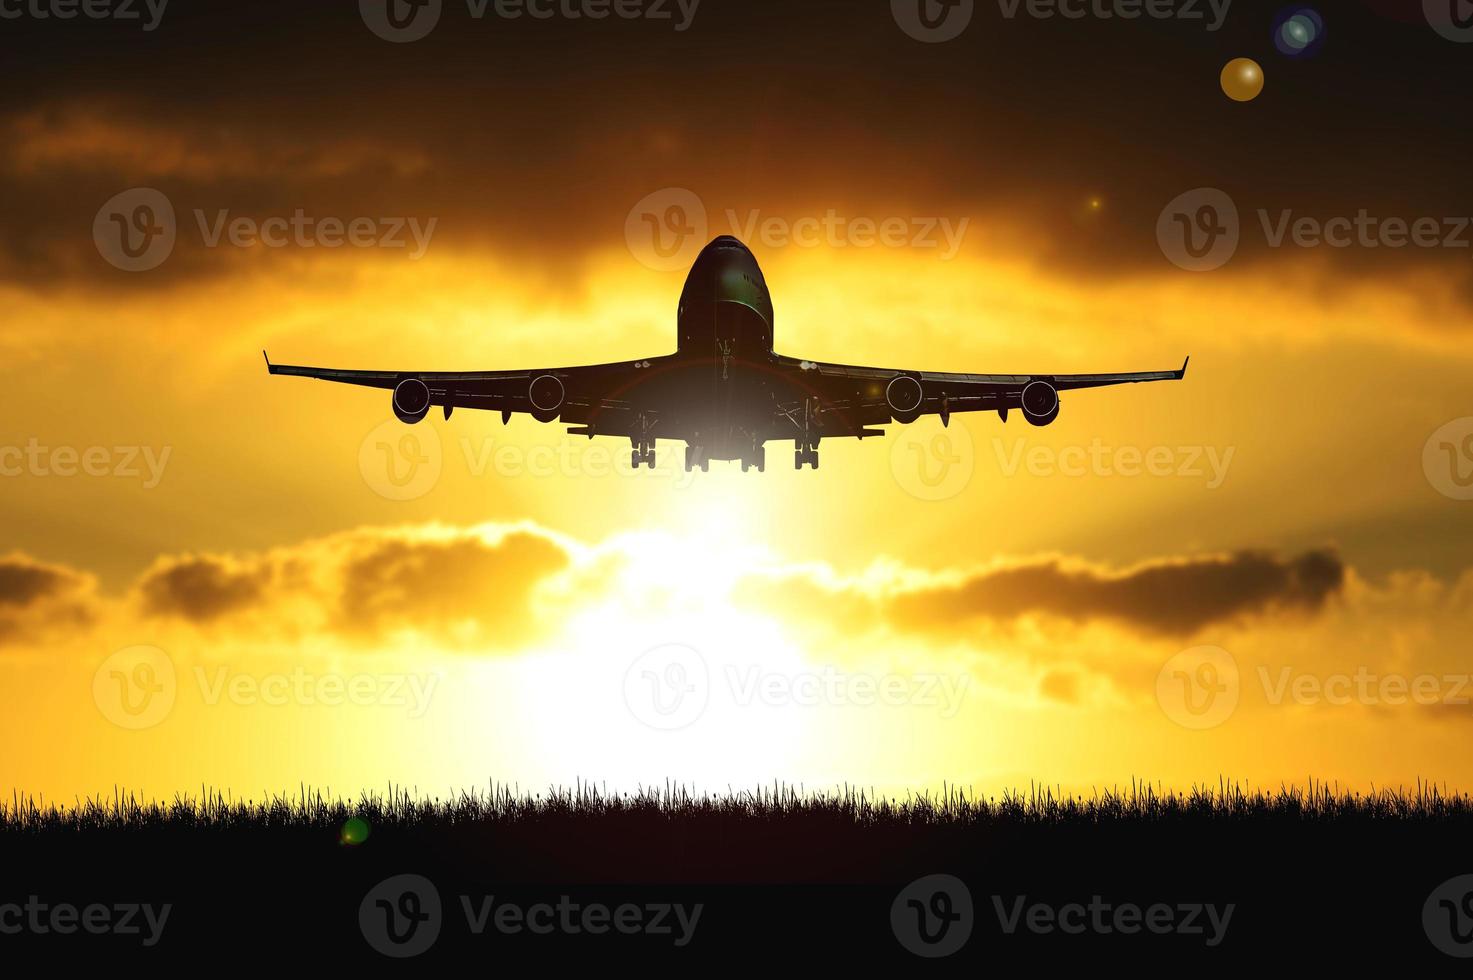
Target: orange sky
(219, 578)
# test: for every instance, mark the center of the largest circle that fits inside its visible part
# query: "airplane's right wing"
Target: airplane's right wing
(577, 395)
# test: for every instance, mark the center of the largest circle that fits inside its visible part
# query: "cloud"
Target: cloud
(72, 138)
(36, 598)
(1171, 597)
(202, 588)
(1168, 597)
(458, 587)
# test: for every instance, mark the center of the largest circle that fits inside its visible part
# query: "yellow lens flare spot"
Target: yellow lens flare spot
(1242, 80)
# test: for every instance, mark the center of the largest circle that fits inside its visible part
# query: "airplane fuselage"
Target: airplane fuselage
(723, 376)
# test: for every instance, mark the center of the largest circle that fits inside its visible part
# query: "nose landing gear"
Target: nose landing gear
(696, 456)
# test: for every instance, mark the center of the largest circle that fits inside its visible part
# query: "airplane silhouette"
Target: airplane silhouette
(725, 393)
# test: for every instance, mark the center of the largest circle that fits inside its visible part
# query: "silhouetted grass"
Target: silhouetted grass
(1140, 804)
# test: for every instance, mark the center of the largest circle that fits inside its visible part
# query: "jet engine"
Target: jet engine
(1040, 403)
(411, 401)
(547, 395)
(904, 395)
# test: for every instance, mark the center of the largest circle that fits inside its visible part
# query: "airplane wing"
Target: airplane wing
(577, 395)
(870, 396)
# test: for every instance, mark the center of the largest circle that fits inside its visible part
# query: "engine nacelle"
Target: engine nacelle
(1040, 403)
(411, 401)
(547, 395)
(905, 396)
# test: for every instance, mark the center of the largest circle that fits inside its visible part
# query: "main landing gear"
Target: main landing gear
(644, 445)
(696, 456)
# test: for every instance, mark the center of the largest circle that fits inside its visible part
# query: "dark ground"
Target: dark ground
(781, 881)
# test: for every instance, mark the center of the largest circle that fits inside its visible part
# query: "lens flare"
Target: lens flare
(1242, 80)
(1299, 31)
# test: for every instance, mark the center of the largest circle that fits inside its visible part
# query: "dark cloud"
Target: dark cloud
(465, 587)
(366, 586)
(36, 597)
(536, 137)
(200, 589)
(23, 582)
(1173, 598)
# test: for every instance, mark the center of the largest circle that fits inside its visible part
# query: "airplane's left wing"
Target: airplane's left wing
(868, 396)
(576, 395)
